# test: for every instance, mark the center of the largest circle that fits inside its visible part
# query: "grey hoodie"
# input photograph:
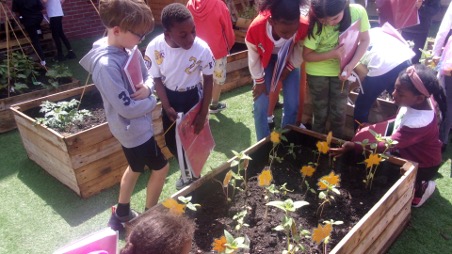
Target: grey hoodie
(130, 121)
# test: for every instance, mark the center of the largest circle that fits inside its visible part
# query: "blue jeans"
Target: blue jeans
(291, 88)
(446, 124)
(373, 87)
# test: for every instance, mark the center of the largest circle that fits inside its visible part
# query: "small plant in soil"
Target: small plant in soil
(228, 244)
(288, 225)
(374, 158)
(58, 115)
(322, 234)
(327, 186)
(178, 208)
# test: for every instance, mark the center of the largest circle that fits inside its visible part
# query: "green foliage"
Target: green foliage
(23, 73)
(61, 114)
(288, 225)
(188, 203)
(234, 244)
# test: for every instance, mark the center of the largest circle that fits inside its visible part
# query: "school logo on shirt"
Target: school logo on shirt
(159, 56)
(194, 64)
(147, 62)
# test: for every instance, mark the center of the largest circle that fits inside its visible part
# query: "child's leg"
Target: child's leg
(155, 185)
(273, 99)
(424, 186)
(319, 94)
(128, 181)
(291, 92)
(219, 77)
(446, 124)
(261, 104)
(338, 105)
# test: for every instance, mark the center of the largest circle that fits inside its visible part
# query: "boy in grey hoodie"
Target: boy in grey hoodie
(128, 112)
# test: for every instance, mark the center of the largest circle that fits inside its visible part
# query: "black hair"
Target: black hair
(328, 8)
(174, 13)
(430, 82)
(282, 9)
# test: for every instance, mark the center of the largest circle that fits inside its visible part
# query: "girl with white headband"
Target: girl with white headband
(415, 127)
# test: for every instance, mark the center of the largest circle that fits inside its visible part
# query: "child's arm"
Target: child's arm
(161, 92)
(309, 55)
(256, 70)
(364, 41)
(201, 118)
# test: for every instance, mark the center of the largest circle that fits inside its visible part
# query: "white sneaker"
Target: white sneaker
(429, 189)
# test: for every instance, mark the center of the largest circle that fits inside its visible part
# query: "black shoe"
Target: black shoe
(71, 55)
(117, 223)
(271, 126)
(279, 105)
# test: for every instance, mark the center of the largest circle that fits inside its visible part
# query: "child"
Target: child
(128, 114)
(177, 58)
(327, 89)
(416, 127)
(384, 59)
(427, 9)
(442, 37)
(213, 15)
(30, 15)
(160, 233)
(55, 13)
(279, 22)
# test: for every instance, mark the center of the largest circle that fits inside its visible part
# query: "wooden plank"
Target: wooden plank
(43, 145)
(392, 230)
(376, 229)
(46, 133)
(22, 41)
(101, 183)
(238, 64)
(365, 225)
(243, 23)
(92, 153)
(237, 56)
(103, 166)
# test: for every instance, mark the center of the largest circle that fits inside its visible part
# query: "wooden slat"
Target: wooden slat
(90, 154)
(349, 243)
(103, 166)
(392, 230)
(103, 182)
(375, 229)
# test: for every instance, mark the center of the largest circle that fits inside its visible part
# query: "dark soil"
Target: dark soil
(216, 213)
(91, 101)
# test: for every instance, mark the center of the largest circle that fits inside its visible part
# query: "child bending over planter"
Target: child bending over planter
(415, 127)
(160, 233)
(274, 45)
(182, 66)
(128, 113)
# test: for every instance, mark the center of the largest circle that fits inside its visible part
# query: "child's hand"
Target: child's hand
(142, 92)
(337, 152)
(346, 72)
(284, 75)
(259, 89)
(199, 121)
(171, 113)
(339, 51)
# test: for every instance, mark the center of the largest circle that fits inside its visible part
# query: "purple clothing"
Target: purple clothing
(418, 144)
(421, 145)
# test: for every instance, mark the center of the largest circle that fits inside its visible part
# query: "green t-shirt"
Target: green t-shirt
(328, 39)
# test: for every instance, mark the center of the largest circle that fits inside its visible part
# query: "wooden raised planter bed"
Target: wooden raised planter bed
(373, 233)
(7, 122)
(87, 162)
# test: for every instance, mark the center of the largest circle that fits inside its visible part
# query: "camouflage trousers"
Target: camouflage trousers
(329, 103)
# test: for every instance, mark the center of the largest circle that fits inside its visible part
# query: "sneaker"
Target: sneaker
(217, 108)
(117, 222)
(71, 55)
(180, 184)
(429, 188)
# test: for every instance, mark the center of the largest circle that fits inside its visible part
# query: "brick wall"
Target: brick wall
(80, 18)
